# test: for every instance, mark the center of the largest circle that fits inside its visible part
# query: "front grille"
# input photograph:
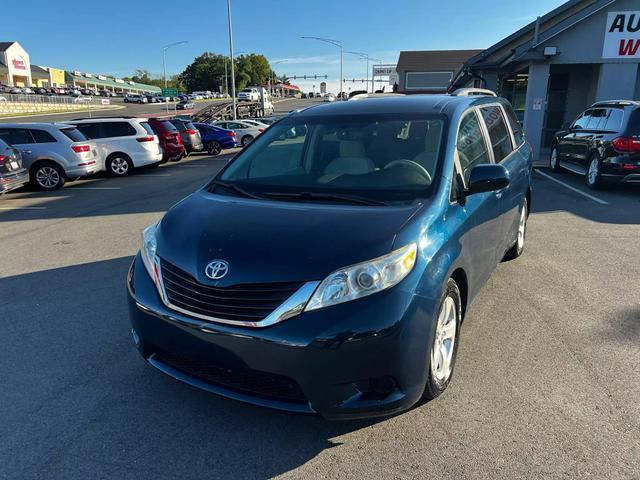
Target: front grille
(249, 302)
(250, 382)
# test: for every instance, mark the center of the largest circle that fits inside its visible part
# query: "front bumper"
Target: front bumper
(360, 359)
(13, 181)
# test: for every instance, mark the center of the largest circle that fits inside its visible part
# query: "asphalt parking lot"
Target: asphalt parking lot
(546, 384)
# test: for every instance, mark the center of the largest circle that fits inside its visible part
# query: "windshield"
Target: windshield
(383, 157)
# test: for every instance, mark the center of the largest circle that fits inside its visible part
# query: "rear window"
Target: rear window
(74, 134)
(614, 120)
(167, 125)
(147, 128)
(189, 126)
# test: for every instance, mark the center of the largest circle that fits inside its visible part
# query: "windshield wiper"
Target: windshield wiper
(327, 196)
(234, 188)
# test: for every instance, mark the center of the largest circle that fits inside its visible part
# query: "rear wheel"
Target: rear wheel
(554, 159)
(246, 140)
(594, 173)
(47, 176)
(214, 147)
(518, 247)
(444, 347)
(119, 165)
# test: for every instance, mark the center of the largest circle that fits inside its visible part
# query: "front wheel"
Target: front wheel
(594, 173)
(516, 250)
(444, 347)
(214, 147)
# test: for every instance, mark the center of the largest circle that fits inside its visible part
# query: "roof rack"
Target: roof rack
(616, 102)
(466, 92)
(375, 95)
(99, 118)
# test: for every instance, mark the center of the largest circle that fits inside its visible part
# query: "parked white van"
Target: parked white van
(124, 143)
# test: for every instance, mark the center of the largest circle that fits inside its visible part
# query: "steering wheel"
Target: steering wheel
(403, 162)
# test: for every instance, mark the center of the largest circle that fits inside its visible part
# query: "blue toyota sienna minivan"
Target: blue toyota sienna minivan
(329, 266)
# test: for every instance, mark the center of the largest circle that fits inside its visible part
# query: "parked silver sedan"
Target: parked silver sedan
(244, 131)
(53, 153)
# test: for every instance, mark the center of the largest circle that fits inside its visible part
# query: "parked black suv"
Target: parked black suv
(603, 144)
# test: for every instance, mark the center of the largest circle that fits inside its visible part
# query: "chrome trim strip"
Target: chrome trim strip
(292, 306)
(572, 167)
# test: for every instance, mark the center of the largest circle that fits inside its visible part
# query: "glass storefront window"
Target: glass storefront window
(513, 87)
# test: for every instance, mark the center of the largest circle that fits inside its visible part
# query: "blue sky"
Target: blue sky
(122, 35)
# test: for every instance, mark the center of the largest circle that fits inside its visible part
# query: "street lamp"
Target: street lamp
(366, 57)
(336, 43)
(164, 58)
(233, 73)
(271, 75)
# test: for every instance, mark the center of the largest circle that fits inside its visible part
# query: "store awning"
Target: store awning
(111, 83)
(38, 72)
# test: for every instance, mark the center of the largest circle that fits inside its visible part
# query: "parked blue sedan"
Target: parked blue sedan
(215, 139)
(329, 266)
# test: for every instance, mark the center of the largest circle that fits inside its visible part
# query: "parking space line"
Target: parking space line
(152, 175)
(23, 208)
(573, 189)
(94, 188)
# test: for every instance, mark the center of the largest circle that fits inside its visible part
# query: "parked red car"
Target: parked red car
(169, 136)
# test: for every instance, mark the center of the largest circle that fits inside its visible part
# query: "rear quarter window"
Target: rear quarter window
(147, 128)
(74, 134)
(634, 123)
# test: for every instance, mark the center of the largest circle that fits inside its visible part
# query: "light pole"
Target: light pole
(366, 57)
(226, 76)
(271, 77)
(336, 43)
(164, 58)
(233, 73)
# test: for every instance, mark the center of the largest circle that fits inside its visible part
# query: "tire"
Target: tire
(446, 332)
(554, 160)
(214, 147)
(594, 173)
(119, 165)
(516, 250)
(47, 176)
(246, 140)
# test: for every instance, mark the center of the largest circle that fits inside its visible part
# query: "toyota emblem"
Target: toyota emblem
(216, 269)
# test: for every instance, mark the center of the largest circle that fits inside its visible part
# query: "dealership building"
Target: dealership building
(16, 70)
(552, 69)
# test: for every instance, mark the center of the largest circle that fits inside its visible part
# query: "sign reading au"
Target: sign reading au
(622, 36)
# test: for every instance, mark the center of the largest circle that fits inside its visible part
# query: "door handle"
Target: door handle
(499, 193)
(25, 151)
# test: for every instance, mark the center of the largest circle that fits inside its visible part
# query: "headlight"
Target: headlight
(364, 278)
(148, 252)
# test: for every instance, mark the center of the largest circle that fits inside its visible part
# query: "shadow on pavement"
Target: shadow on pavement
(77, 397)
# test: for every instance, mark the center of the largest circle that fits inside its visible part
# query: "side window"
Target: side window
(117, 129)
(614, 120)
(498, 132)
(41, 136)
(236, 126)
(516, 128)
(470, 144)
(5, 135)
(20, 136)
(91, 130)
(597, 119)
(582, 121)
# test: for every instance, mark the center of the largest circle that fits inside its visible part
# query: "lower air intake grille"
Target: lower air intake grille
(249, 382)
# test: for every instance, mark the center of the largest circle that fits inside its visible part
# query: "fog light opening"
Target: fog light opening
(376, 388)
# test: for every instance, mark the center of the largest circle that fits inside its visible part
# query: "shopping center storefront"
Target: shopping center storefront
(16, 70)
(551, 70)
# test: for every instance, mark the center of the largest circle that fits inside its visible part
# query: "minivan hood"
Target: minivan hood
(274, 241)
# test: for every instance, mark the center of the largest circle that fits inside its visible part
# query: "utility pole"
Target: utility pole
(233, 73)
(336, 43)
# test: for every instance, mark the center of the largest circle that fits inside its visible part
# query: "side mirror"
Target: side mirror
(487, 178)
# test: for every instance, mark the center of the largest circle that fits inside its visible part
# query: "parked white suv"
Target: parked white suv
(124, 143)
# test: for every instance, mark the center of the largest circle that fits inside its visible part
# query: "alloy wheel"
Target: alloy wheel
(47, 177)
(554, 159)
(214, 148)
(444, 341)
(522, 227)
(119, 166)
(594, 170)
